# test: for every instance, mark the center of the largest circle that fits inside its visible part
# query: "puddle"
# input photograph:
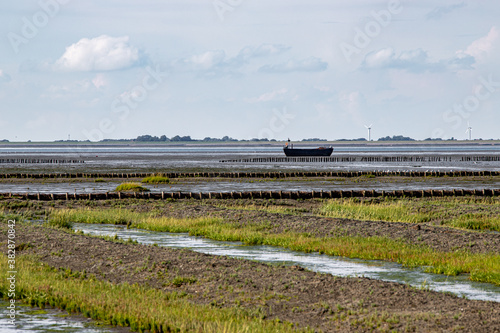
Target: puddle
(338, 266)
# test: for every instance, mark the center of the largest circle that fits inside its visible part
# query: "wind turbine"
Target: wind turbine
(369, 129)
(469, 130)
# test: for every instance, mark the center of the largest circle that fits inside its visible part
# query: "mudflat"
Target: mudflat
(320, 301)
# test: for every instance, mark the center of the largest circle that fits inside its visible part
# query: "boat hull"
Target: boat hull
(308, 152)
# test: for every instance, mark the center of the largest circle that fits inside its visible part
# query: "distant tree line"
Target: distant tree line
(187, 138)
(358, 139)
(163, 138)
(396, 138)
(177, 138)
(314, 139)
(439, 139)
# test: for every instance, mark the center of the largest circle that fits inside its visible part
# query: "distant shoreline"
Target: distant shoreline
(251, 144)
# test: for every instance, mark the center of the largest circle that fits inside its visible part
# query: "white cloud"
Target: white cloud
(103, 53)
(380, 58)
(482, 48)
(414, 61)
(439, 12)
(4, 77)
(207, 60)
(216, 62)
(311, 64)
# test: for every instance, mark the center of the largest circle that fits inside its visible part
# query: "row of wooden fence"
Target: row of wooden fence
(255, 194)
(38, 161)
(272, 174)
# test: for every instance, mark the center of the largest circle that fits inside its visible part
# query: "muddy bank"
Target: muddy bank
(303, 218)
(288, 293)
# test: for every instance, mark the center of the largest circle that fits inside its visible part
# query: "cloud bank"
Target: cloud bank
(218, 63)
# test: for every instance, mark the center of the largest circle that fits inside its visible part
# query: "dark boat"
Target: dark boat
(321, 151)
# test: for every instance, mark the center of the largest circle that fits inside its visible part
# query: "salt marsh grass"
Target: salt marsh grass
(464, 213)
(268, 208)
(387, 211)
(138, 307)
(157, 179)
(481, 267)
(60, 222)
(476, 221)
(136, 187)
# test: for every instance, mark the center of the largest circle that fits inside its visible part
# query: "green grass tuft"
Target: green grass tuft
(180, 280)
(60, 222)
(135, 187)
(156, 180)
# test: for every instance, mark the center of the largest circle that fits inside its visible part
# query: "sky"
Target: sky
(277, 69)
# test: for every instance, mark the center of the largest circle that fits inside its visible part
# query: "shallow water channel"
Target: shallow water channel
(30, 319)
(337, 266)
(251, 185)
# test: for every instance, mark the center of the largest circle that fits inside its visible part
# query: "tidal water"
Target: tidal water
(338, 266)
(197, 157)
(246, 185)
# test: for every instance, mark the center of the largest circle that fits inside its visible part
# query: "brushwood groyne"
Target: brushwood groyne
(369, 159)
(255, 194)
(271, 174)
(38, 161)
